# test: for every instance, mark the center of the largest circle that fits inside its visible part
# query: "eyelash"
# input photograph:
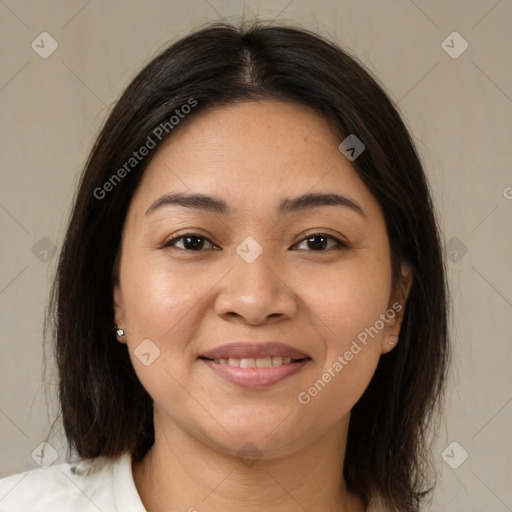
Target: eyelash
(340, 244)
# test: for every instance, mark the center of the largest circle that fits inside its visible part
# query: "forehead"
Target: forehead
(252, 153)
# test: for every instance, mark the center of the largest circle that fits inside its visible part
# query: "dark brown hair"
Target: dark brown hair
(105, 409)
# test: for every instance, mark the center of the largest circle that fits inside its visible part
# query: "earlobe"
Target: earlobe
(394, 314)
(119, 320)
(396, 309)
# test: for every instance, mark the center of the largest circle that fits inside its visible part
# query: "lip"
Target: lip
(241, 349)
(255, 378)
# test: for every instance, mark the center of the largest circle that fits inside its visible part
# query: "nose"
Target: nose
(256, 293)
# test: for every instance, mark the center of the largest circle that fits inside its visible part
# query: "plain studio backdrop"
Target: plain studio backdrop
(446, 64)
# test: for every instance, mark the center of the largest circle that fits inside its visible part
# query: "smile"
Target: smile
(255, 374)
(250, 362)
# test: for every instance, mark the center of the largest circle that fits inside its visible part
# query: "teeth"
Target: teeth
(263, 362)
(250, 362)
(247, 362)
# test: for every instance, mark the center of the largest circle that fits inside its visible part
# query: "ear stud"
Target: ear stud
(119, 331)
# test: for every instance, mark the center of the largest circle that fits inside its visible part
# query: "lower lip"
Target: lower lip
(255, 378)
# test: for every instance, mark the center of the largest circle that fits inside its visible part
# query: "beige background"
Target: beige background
(459, 111)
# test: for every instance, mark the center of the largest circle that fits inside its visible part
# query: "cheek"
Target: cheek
(160, 300)
(349, 297)
(163, 307)
(347, 309)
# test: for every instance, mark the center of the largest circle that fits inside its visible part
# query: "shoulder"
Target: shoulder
(88, 485)
(378, 504)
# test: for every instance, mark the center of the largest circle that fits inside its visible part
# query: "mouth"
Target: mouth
(255, 366)
(251, 362)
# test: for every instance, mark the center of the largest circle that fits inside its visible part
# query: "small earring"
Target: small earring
(119, 331)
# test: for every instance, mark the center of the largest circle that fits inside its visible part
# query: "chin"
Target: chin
(267, 435)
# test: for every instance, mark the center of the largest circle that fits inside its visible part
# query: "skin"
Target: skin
(186, 302)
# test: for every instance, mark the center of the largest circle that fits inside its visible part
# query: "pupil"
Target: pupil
(193, 242)
(317, 246)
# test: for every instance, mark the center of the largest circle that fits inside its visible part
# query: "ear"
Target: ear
(119, 316)
(396, 309)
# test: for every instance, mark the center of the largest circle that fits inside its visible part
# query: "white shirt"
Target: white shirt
(97, 485)
(102, 484)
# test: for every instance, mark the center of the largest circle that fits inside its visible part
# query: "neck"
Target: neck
(181, 472)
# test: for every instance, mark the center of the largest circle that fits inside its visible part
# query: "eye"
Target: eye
(191, 242)
(319, 242)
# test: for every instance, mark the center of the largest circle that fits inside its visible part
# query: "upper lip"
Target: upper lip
(241, 350)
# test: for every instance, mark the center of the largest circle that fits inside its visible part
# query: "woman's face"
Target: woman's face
(281, 266)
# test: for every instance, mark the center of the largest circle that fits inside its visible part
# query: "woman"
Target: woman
(250, 305)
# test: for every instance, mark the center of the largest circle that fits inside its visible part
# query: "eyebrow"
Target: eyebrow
(216, 205)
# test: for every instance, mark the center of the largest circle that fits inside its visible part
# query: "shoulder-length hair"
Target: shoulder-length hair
(105, 409)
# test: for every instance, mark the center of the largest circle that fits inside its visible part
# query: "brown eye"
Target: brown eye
(319, 242)
(189, 242)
